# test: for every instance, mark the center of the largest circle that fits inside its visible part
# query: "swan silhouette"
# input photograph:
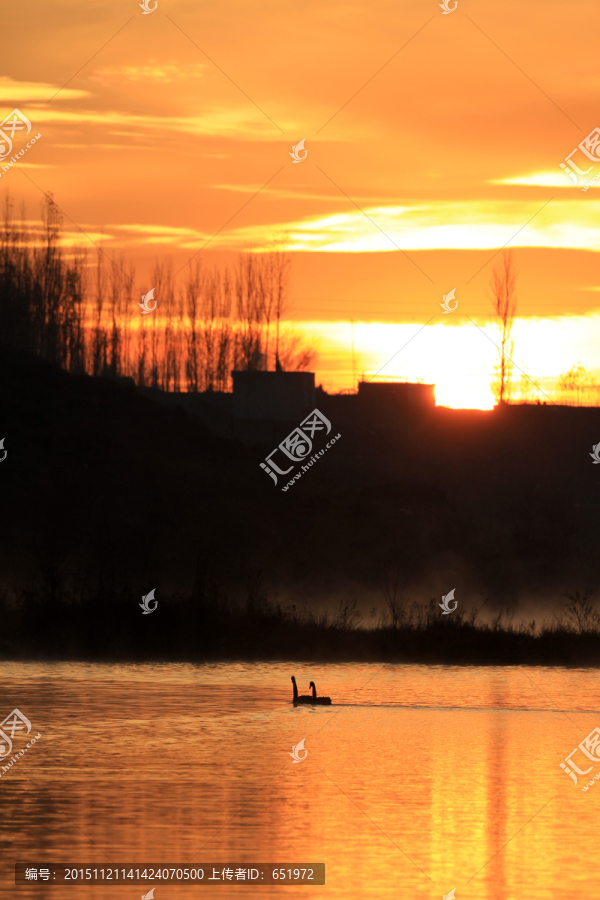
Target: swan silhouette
(303, 698)
(319, 701)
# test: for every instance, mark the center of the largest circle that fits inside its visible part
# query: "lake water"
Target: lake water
(417, 780)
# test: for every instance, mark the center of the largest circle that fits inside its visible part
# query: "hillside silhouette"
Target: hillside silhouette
(108, 494)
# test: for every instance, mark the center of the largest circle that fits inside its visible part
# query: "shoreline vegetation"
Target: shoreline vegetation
(211, 628)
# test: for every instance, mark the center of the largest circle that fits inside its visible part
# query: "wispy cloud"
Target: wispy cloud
(150, 71)
(473, 225)
(540, 179)
(233, 123)
(12, 91)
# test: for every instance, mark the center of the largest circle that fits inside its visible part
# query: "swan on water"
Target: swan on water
(303, 698)
(323, 701)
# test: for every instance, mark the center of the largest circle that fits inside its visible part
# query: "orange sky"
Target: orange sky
(178, 131)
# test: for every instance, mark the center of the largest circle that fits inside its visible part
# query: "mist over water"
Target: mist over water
(417, 779)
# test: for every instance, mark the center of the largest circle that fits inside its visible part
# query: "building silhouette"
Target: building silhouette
(264, 405)
(273, 396)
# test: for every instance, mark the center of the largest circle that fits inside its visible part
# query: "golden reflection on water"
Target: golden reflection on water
(417, 779)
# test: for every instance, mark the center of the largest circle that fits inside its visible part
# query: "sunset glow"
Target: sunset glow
(299, 347)
(458, 359)
(173, 143)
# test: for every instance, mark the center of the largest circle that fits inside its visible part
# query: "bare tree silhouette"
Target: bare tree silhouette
(576, 382)
(504, 301)
(201, 330)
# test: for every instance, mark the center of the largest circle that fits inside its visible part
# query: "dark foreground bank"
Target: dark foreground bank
(210, 628)
(107, 494)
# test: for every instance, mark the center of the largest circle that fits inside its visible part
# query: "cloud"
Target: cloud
(240, 123)
(326, 194)
(540, 179)
(183, 238)
(472, 225)
(151, 71)
(12, 91)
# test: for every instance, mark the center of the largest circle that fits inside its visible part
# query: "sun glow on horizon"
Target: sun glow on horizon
(458, 359)
(467, 392)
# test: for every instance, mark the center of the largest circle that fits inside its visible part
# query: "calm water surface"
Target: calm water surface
(417, 779)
